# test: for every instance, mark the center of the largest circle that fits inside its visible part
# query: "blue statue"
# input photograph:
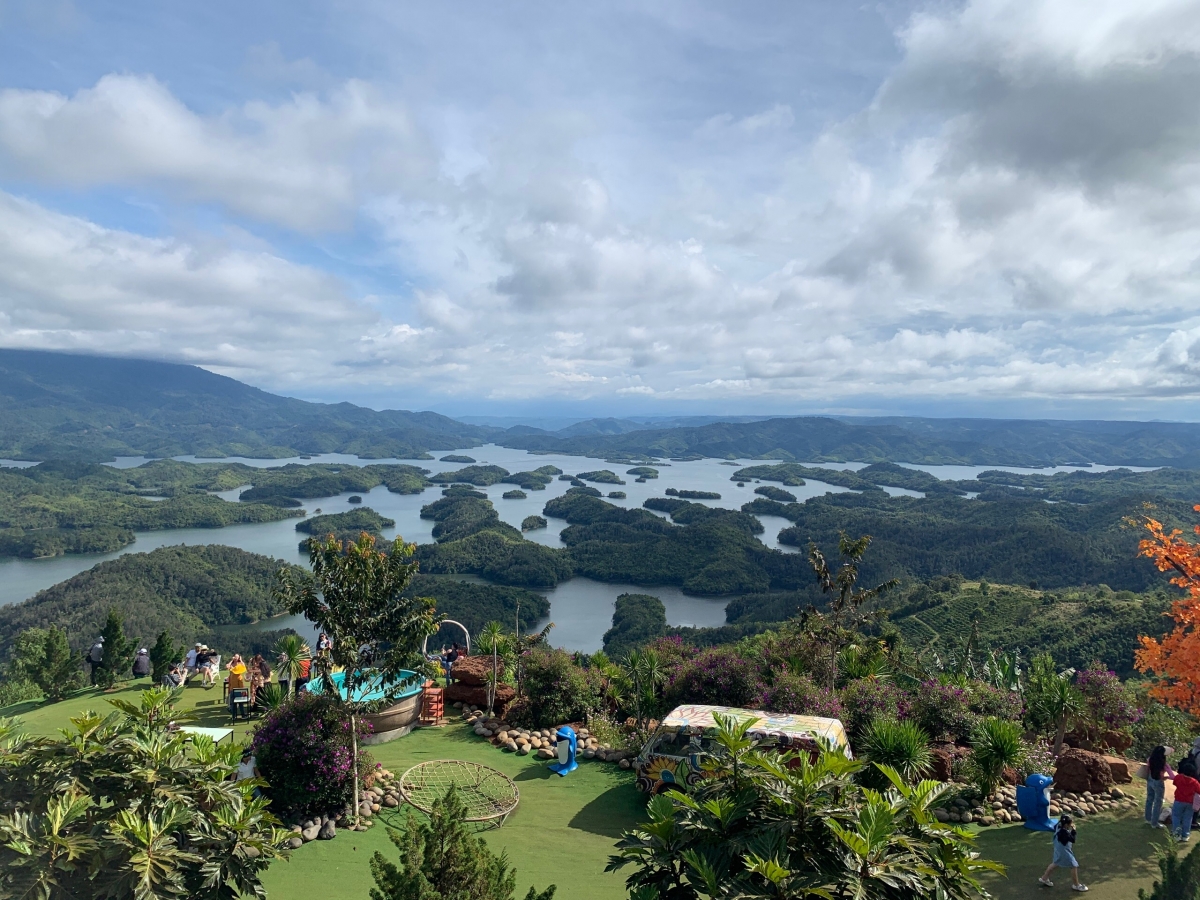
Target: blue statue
(566, 751)
(1033, 803)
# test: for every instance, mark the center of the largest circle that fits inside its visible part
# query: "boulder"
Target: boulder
(328, 831)
(296, 843)
(473, 671)
(942, 815)
(1119, 768)
(546, 753)
(475, 694)
(310, 833)
(1077, 771)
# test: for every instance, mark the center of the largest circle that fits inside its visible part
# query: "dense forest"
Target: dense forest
(474, 605)
(197, 593)
(54, 405)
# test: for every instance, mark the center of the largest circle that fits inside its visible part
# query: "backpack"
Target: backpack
(96, 654)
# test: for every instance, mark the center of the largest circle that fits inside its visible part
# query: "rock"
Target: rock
(625, 764)
(374, 807)
(940, 763)
(310, 833)
(589, 754)
(1081, 770)
(1116, 793)
(364, 808)
(966, 818)
(296, 829)
(523, 749)
(956, 817)
(942, 815)
(472, 671)
(457, 705)
(1119, 768)
(466, 693)
(546, 753)
(296, 843)
(987, 821)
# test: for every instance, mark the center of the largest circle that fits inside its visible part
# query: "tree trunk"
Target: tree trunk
(354, 762)
(1060, 735)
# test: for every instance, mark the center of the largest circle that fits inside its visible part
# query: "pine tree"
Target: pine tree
(442, 860)
(164, 654)
(118, 652)
(1180, 878)
(43, 657)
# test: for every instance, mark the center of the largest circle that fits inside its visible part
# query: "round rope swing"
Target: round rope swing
(487, 794)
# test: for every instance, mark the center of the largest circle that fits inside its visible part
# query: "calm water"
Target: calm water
(580, 608)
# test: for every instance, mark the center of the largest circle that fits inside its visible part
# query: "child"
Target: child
(1186, 788)
(1064, 838)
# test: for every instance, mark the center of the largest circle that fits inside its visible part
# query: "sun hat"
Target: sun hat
(140, 652)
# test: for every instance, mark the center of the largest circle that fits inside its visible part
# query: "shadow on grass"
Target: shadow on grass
(608, 814)
(535, 773)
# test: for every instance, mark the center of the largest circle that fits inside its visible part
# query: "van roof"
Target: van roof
(702, 717)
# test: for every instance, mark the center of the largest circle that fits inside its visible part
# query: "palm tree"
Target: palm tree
(492, 640)
(644, 672)
(1051, 698)
(290, 652)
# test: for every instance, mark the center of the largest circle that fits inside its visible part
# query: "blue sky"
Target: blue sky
(988, 207)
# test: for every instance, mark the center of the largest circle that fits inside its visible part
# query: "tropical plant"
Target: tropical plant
(644, 674)
(1180, 877)
(164, 654)
(305, 751)
(1174, 661)
(1051, 699)
(902, 746)
(118, 652)
(996, 745)
(836, 626)
(1108, 704)
(442, 860)
(943, 710)
(356, 596)
(787, 825)
(492, 641)
(42, 657)
(863, 702)
(126, 806)
(556, 690)
(291, 652)
(270, 697)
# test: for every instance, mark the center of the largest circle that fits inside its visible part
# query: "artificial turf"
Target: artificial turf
(564, 828)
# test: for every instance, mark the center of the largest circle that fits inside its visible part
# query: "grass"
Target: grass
(564, 829)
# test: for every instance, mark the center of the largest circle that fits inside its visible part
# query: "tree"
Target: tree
(643, 674)
(118, 652)
(290, 655)
(1180, 876)
(791, 825)
(1174, 660)
(441, 860)
(164, 654)
(125, 806)
(995, 746)
(492, 640)
(355, 595)
(1051, 699)
(838, 625)
(43, 657)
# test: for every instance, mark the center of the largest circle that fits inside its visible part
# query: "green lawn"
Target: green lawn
(564, 828)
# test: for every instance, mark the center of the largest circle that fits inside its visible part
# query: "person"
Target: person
(260, 674)
(1158, 770)
(303, 674)
(96, 658)
(248, 768)
(237, 672)
(141, 664)
(189, 661)
(1186, 788)
(174, 678)
(324, 644)
(1064, 855)
(206, 665)
(451, 658)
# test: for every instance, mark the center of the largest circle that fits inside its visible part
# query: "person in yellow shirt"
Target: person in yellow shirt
(237, 672)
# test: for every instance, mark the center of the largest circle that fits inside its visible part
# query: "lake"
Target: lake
(580, 608)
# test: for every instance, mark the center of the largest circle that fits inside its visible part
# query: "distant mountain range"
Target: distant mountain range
(55, 405)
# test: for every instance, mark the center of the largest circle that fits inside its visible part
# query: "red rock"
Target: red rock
(941, 763)
(472, 670)
(1081, 770)
(477, 696)
(1119, 768)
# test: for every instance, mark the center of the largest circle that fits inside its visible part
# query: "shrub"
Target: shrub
(1036, 759)
(304, 752)
(942, 711)
(866, 701)
(901, 745)
(1162, 724)
(1108, 705)
(996, 745)
(43, 660)
(720, 675)
(984, 700)
(800, 694)
(555, 689)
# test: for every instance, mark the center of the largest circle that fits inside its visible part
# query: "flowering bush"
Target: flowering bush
(303, 750)
(866, 701)
(720, 675)
(556, 690)
(1037, 759)
(986, 701)
(943, 711)
(1108, 704)
(800, 694)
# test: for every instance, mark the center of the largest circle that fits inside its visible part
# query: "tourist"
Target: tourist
(237, 678)
(1158, 770)
(1186, 789)
(451, 659)
(141, 664)
(248, 768)
(1064, 855)
(189, 661)
(260, 674)
(324, 644)
(96, 658)
(174, 678)
(206, 665)
(303, 673)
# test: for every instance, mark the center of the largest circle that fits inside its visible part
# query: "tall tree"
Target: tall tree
(164, 654)
(42, 656)
(355, 594)
(1175, 659)
(836, 626)
(118, 651)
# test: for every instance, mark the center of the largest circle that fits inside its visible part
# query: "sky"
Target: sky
(988, 207)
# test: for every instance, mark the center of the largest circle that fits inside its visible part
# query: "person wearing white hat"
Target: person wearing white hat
(141, 664)
(96, 658)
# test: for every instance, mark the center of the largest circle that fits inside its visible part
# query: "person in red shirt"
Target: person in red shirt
(1186, 789)
(302, 678)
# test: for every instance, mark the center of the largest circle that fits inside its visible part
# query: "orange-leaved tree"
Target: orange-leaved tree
(1175, 660)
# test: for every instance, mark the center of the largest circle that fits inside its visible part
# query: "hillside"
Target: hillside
(929, 441)
(57, 404)
(194, 592)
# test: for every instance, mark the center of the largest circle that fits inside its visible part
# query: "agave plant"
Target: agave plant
(996, 745)
(290, 652)
(903, 746)
(270, 697)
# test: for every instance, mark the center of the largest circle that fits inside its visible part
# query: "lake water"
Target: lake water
(580, 608)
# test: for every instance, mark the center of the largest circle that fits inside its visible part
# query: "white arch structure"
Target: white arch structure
(466, 634)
